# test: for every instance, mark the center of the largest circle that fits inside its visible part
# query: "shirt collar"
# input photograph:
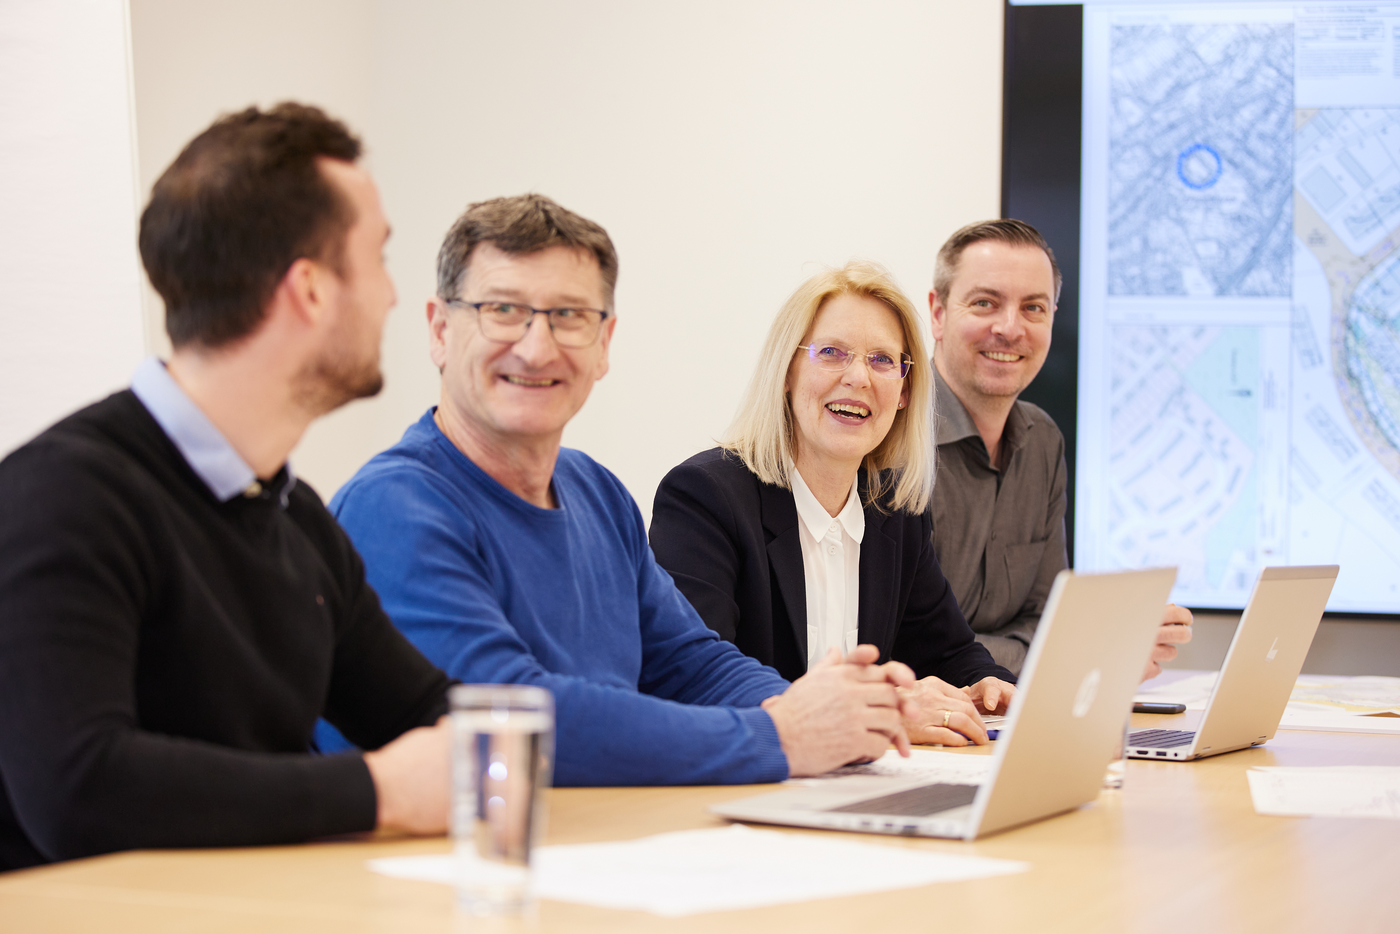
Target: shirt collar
(953, 423)
(813, 514)
(202, 445)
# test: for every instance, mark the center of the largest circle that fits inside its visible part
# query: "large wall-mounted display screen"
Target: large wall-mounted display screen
(1239, 295)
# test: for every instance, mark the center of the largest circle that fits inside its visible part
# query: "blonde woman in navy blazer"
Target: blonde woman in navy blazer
(838, 415)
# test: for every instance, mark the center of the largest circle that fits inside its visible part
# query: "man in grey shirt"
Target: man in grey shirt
(999, 501)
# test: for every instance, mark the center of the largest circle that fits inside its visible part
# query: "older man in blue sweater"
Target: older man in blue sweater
(506, 558)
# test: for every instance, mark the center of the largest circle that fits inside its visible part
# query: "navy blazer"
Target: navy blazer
(731, 543)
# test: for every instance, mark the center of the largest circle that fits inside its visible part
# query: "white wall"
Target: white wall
(196, 60)
(70, 322)
(727, 147)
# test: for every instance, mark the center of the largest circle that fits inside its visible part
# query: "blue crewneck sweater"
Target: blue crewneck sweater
(495, 589)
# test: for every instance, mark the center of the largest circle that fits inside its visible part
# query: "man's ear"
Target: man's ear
(306, 290)
(601, 369)
(937, 315)
(437, 332)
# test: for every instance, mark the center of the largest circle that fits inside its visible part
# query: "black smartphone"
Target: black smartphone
(1159, 708)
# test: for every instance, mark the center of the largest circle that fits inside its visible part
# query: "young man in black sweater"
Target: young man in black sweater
(176, 610)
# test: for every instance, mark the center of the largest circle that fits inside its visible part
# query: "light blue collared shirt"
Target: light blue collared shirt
(203, 446)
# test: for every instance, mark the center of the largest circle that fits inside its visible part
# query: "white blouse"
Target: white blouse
(831, 567)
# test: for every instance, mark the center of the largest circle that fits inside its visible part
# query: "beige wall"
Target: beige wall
(728, 148)
(70, 315)
(195, 60)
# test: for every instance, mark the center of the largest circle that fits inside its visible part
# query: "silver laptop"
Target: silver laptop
(1075, 692)
(1259, 672)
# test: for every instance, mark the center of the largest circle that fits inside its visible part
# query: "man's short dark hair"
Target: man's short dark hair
(241, 203)
(1005, 230)
(522, 224)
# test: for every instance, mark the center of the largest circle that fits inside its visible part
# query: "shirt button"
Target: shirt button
(254, 490)
(835, 527)
(831, 550)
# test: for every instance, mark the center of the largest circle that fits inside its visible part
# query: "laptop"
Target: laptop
(1074, 695)
(1260, 669)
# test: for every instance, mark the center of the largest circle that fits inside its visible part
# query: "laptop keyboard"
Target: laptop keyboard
(916, 802)
(1161, 739)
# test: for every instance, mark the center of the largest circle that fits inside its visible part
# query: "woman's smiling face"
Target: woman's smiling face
(843, 415)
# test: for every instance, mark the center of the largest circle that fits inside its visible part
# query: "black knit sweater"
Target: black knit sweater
(164, 656)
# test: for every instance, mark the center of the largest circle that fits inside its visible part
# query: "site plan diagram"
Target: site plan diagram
(1240, 316)
(1194, 99)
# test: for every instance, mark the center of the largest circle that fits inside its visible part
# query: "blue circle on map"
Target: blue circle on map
(1199, 166)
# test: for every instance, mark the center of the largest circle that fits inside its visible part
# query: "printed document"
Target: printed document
(1326, 791)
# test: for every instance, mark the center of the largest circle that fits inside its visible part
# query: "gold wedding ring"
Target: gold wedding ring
(946, 715)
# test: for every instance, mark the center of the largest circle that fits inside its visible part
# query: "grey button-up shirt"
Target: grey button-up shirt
(999, 535)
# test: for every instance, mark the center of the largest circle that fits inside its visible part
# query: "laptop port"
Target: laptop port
(1160, 753)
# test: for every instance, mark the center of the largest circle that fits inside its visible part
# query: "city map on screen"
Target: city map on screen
(1239, 394)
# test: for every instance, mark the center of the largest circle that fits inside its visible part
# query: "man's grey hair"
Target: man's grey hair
(522, 224)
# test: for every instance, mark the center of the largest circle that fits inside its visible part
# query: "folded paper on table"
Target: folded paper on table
(723, 869)
(1326, 791)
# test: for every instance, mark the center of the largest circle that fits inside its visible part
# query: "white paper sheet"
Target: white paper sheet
(1361, 694)
(1329, 703)
(927, 764)
(723, 869)
(1193, 691)
(1326, 791)
(1297, 716)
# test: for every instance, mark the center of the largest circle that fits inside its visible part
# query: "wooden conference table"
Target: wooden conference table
(1178, 849)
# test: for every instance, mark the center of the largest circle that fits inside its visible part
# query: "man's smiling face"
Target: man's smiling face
(993, 327)
(523, 392)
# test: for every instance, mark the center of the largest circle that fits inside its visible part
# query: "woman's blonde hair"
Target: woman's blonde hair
(763, 432)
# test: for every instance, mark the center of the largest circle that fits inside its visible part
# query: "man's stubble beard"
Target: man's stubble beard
(991, 391)
(966, 380)
(334, 377)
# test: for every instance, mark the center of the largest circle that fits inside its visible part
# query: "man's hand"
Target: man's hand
(896, 673)
(412, 779)
(839, 712)
(1175, 630)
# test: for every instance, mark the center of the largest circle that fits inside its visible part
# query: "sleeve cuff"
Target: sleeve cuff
(343, 799)
(770, 762)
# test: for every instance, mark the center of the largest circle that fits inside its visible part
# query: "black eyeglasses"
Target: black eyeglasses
(508, 322)
(836, 357)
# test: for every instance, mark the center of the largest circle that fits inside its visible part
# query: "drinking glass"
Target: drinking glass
(502, 760)
(1113, 775)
